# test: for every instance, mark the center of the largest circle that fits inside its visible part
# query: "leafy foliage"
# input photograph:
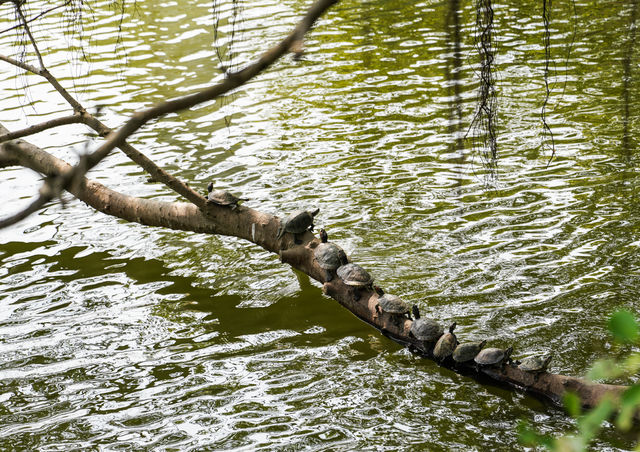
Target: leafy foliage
(624, 329)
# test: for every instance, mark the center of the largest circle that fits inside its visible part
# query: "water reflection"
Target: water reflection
(453, 69)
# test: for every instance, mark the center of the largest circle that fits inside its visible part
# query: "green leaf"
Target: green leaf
(629, 404)
(529, 437)
(605, 369)
(623, 326)
(572, 404)
(591, 422)
(632, 364)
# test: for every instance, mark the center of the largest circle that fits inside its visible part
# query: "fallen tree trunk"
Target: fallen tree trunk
(261, 229)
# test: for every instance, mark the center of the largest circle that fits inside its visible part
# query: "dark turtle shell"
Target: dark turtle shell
(535, 363)
(298, 222)
(329, 256)
(446, 344)
(393, 304)
(426, 329)
(354, 275)
(466, 352)
(492, 356)
(222, 197)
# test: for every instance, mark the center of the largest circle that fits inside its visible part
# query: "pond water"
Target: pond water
(117, 336)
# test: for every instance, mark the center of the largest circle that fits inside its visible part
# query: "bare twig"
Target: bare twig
(18, 7)
(117, 139)
(49, 190)
(103, 130)
(36, 128)
(233, 81)
(34, 18)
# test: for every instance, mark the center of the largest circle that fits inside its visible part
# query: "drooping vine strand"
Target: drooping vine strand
(546, 130)
(485, 122)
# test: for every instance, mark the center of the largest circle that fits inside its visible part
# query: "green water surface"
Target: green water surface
(116, 336)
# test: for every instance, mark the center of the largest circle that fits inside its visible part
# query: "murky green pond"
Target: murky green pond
(115, 336)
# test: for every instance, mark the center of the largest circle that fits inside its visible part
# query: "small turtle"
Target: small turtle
(393, 304)
(493, 357)
(466, 352)
(425, 329)
(329, 256)
(355, 276)
(222, 197)
(298, 222)
(446, 344)
(535, 364)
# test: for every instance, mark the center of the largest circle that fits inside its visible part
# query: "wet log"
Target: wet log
(261, 229)
(549, 386)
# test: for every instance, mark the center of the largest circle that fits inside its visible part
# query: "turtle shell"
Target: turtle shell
(298, 222)
(393, 304)
(354, 275)
(426, 329)
(446, 344)
(466, 352)
(222, 198)
(535, 363)
(492, 356)
(329, 256)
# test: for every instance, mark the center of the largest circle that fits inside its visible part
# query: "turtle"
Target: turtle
(467, 351)
(492, 357)
(446, 344)
(535, 364)
(329, 256)
(355, 276)
(393, 304)
(425, 329)
(298, 222)
(222, 197)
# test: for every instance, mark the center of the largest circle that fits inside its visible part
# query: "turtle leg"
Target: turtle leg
(328, 276)
(378, 309)
(296, 240)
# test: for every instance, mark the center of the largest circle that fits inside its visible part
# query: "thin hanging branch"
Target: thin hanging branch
(546, 18)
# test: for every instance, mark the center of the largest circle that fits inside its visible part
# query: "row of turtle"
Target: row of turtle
(428, 331)
(332, 259)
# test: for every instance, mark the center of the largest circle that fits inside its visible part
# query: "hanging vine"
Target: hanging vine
(485, 122)
(548, 140)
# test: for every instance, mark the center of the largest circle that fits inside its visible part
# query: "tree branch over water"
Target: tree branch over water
(249, 224)
(261, 229)
(118, 138)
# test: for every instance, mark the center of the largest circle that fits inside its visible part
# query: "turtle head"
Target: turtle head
(547, 360)
(344, 260)
(314, 212)
(482, 344)
(453, 327)
(415, 310)
(323, 236)
(507, 352)
(378, 290)
(210, 187)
